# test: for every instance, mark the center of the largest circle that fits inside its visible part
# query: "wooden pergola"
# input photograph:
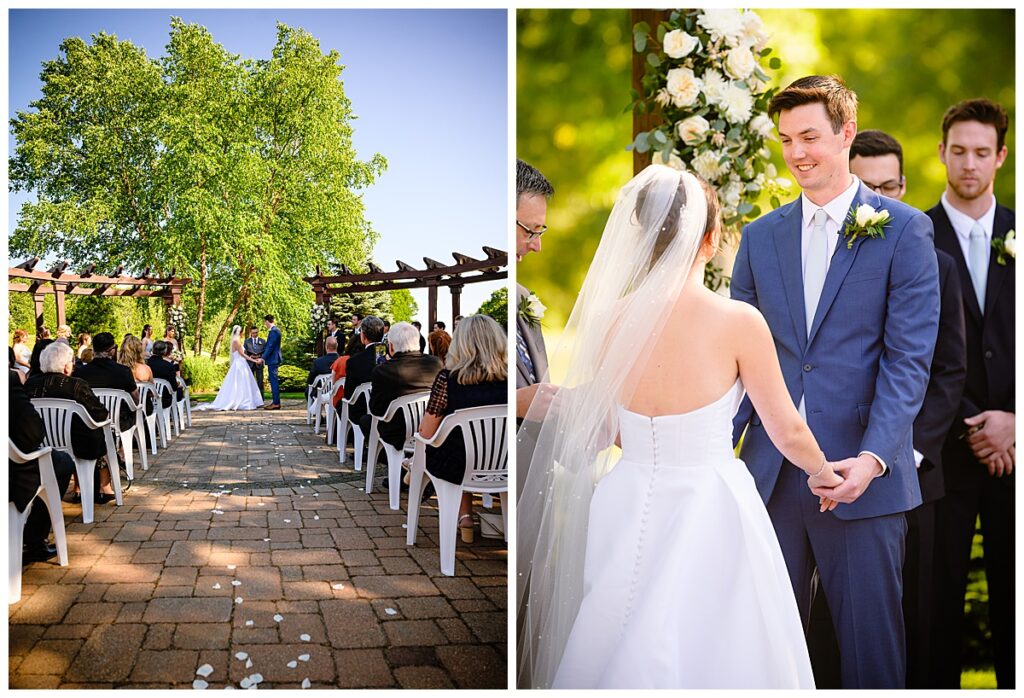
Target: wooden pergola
(466, 270)
(58, 282)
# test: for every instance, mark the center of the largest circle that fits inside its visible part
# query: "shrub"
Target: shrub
(291, 378)
(202, 373)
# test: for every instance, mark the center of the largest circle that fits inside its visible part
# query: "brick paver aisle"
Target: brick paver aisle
(248, 554)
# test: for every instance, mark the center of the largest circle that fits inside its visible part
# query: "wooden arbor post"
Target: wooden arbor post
(37, 301)
(643, 121)
(456, 303)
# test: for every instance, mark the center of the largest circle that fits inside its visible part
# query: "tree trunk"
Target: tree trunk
(197, 340)
(228, 320)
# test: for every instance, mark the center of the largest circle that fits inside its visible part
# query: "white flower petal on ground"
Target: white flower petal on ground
(231, 567)
(390, 611)
(278, 617)
(248, 663)
(292, 664)
(303, 657)
(306, 683)
(304, 637)
(248, 623)
(241, 655)
(235, 583)
(245, 683)
(200, 685)
(238, 599)
(338, 586)
(216, 585)
(205, 670)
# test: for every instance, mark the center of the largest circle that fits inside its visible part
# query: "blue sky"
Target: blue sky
(429, 88)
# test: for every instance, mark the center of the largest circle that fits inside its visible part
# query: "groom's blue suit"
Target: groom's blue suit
(862, 371)
(272, 358)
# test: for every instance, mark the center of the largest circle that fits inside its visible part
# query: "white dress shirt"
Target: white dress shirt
(837, 210)
(962, 225)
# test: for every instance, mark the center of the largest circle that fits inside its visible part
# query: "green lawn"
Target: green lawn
(978, 678)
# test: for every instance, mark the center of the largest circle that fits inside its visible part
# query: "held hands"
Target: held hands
(857, 474)
(828, 479)
(991, 439)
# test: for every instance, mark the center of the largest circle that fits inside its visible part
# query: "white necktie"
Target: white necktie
(978, 263)
(815, 265)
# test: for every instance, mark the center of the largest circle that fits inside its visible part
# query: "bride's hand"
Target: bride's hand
(828, 479)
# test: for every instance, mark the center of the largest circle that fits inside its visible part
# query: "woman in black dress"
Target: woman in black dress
(475, 375)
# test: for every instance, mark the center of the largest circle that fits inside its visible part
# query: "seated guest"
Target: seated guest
(37, 350)
(340, 365)
(87, 355)
(475, 375)
(408, 371)
(322, 364)
(104, 372)
(56, 363)
(44, 333)
(360, 365)
(11, 366)
(64, 334)
(132, 355)
(22, 354)
(25, 428)
(165, 369)
(439, 341)
(84, 341)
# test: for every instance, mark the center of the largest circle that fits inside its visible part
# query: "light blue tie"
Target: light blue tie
(977, 253)
(815, 265)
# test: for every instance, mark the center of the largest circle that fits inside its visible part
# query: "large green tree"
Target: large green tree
(238, 173)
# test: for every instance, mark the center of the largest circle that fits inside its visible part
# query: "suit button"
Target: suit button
(807, 368)
(988, 354)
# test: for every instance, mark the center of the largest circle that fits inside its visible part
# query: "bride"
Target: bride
(646, 556)
(239, 390)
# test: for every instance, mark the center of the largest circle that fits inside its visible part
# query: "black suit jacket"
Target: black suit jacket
(990, 346)
(25, 427)
(107, 373)
(945, 384)
(169, 372)
(321, 365)
(407, 372)
(357, 371)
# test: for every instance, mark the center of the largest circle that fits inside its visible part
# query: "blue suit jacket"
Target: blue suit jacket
(272, 350)
(863, 368)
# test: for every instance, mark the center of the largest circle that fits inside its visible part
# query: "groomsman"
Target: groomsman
(253, 347)
(979, 455)
(532, 193)
(876, 158)
(334, 330)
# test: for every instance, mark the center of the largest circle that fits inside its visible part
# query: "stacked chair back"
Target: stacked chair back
(362, 392)
(152, 420)
(115, 401)
(411, 407)
(316, 388)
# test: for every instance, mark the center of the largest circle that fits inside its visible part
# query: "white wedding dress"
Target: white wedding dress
(685, 585)
(239, 391)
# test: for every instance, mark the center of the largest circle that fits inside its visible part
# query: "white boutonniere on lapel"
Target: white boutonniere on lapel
(1005, 247)
(531, 310)
(865, 222)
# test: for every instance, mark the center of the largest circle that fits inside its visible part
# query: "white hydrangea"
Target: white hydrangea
(762, 125)
(723, 24)
(714, 87)
(708, 166)
(683, 86)
(731, 193)
(737, 104)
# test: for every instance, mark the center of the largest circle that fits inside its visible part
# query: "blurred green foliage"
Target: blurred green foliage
(573, 82)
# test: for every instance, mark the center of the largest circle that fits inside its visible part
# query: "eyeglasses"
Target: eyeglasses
(890, 188)
(533, 234)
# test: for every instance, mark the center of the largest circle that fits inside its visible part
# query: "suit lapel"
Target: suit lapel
(945, 239)
(997, 272)
(787, 249)
(842, 260)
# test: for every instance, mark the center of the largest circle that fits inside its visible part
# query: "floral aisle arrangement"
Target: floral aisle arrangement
(706, 76)
(176, 318)
(318, 316)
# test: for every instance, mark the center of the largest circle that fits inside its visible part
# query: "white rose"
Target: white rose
(737, 103)
(731, 194)
(674, 161)
(535, 307)
(762, 125)
(739, 62)
(722, 24)
(714, 86)
(679, 44)
(707, 166)
(864, 215)
(692, 130)
(1010, 244)
(753, 33)
(683, 86)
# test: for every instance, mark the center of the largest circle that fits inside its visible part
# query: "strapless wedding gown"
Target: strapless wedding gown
(685, 585)
(239, 391)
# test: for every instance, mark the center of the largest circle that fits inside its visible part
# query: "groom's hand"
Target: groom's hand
(994, 437)
(857, 473)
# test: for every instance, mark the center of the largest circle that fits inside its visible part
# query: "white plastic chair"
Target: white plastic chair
(57, 414)
(313, 394)
(50, 493)
(484, 431)
(328, 400)
(362, 392)
(185, 404)
(115, 401)
(412, 407)
(152, 420)
(162, 387)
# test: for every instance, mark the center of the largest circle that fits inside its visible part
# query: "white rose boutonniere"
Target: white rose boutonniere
(679, 44)
(1005, 247)
(865, 222)
(531, 310)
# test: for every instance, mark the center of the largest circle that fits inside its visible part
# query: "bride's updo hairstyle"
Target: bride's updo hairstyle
(670, 225)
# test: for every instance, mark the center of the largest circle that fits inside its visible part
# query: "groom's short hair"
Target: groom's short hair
(268, 318)
(830, 91)
(982, 110)
(874, 144)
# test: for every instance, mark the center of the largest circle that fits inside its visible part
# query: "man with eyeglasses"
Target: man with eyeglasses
(876, 158)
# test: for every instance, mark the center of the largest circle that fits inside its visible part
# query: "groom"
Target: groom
(854, 317)
(272, 359)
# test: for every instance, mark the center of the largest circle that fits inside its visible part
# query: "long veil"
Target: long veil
(648, 247)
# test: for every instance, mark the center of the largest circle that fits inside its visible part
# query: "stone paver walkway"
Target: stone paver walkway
(249, 553)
